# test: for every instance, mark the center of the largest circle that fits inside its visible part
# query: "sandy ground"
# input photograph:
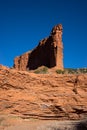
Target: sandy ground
(11, 122)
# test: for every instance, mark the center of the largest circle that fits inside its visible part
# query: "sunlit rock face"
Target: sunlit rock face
(49, 52)
(43, 96)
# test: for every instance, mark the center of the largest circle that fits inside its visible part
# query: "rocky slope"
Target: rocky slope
(43, 96)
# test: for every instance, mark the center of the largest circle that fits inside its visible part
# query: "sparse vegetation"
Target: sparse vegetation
(72, 71)
(44, 70)
(60, 71)
(77, 71)
(41, 70)
(82, 70)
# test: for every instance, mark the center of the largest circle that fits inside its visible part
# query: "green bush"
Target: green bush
(59, 71)
(41, 70)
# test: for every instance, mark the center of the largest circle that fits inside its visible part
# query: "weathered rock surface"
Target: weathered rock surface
(43, 96)
(49, 52)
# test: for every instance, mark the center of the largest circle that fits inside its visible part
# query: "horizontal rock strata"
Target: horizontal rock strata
(43, 96)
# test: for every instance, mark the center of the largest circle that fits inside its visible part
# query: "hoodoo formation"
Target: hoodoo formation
(49, 52)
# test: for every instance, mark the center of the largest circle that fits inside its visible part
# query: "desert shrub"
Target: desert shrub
(75, 71)
(71, 71)
(60, 71)
(41, 70)
(82, 70)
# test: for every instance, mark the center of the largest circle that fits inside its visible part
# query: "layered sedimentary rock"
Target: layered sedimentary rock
(45, 96)
(49, 52)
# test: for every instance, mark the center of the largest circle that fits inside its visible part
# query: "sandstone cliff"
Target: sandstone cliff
(49, 52)
(45, 96)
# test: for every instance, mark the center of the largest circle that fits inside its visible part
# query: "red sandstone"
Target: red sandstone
(49, 52)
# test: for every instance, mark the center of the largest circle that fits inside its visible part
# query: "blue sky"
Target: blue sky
(23, 23)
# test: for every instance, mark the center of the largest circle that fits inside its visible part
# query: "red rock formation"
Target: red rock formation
(49, 53)
(48, 96)
(20, 62)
